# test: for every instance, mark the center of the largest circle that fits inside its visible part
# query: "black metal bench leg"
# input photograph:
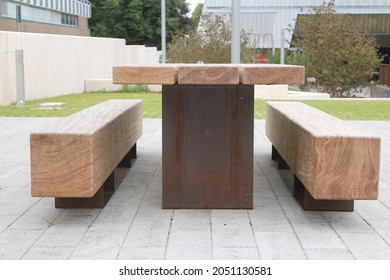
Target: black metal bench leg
(99, 200)
(309, 203)
(129, 159)
(282, 164)
(274, 153)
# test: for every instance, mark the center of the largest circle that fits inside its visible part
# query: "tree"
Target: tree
(196, 14)
(104, 16)
(211, 43)
(137, 21)
(337, 55)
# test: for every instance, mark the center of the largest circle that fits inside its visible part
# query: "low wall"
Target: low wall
(282, 92)
(381, 92)
(270, 91)
(56, 65)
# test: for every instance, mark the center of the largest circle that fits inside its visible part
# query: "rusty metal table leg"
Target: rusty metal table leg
(208, 146)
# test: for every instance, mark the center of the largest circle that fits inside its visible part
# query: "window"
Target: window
(4, 8)
(67, 19)
(42, 15)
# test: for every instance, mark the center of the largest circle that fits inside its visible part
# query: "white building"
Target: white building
(67, 17)
(265, 20)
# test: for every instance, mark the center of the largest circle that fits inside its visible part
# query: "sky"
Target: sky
(193, 4)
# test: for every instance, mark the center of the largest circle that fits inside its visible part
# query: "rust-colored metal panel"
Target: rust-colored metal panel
(208, 146)
(384, 74)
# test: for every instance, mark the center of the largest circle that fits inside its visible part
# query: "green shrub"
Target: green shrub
(135, 89)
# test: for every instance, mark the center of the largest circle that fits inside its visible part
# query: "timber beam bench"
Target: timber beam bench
(333, 162)
(81, 159)
(207, 127)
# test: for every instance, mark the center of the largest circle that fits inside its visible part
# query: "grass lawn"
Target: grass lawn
(76, 102)
(345, 108)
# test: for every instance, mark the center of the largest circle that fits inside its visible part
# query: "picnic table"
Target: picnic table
(207, 127)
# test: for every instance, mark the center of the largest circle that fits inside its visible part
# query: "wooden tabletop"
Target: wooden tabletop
(209, 74)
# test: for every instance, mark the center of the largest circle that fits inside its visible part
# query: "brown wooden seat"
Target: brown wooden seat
(334, 162)
(74, 159)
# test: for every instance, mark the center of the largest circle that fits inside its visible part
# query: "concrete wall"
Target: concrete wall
(381, 91)
(56, 65)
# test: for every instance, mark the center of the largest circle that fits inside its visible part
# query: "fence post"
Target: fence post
(20, 96)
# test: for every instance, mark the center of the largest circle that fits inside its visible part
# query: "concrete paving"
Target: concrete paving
(133, 225)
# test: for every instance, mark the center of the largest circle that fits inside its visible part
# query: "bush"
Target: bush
(210, 43)
(335, 53)
(135, 89)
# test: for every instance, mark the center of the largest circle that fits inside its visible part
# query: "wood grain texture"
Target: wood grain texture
(75, 155)
(270, 74)
(165, 74)
(208, 74)
(332, 158)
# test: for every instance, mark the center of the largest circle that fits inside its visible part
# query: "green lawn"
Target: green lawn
(76, 102)
(345, 109)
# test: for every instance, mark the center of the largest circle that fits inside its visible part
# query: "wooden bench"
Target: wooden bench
(75, 159)
(333, 162)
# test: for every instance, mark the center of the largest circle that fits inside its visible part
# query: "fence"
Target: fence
(384, 74)
(56, 65)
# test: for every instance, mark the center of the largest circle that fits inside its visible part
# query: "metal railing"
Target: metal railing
(73, 7)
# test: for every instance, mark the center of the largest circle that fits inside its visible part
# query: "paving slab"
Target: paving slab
(329, 254)
(235, 253)
(141, 253)
(279, 246)
(15, 243)
(99, 245)
(62, 235)
(133, 225)
(188, 253)
(48, 253)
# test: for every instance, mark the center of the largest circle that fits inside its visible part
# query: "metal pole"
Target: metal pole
(235, 52)
(282, 48)
(18, 16)
(20, 96)
(163, 33)
(273, 44)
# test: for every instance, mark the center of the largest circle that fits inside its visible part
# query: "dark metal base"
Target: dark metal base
(282, 164)
(309, 203)
(105, 192)
(129, 159)
(208, 146)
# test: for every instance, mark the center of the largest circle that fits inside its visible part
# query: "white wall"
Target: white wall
(56, 65)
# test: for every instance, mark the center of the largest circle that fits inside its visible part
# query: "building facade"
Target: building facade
(65, 17)
(266, 21)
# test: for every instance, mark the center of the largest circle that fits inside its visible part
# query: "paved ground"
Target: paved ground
(133, 225)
